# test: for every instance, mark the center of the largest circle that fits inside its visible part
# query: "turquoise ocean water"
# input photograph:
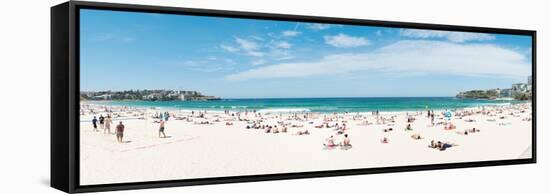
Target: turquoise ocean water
(316, 104)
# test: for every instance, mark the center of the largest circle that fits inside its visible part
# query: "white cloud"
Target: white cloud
(208, 64)
(283, 45)
(318, 26)
(449, 35)
(280, 54)
(259, 62)
(255, 53)
(405, 57)
(246, 44)
(249, 47)
(345, 41)
(229, 48)
(290, 33)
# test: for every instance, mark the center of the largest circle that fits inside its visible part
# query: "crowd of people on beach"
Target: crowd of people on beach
(304, 123)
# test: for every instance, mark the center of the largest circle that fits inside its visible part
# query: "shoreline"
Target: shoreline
(293, 109)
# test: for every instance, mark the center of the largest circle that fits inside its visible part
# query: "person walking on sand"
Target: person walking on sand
(108, 122)
(119, 132)
(161, 129)
(94, 123)
(102, 121)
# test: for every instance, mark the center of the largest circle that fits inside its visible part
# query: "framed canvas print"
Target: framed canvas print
(148, 96)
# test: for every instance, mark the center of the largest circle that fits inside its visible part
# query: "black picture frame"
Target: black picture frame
(65, 95)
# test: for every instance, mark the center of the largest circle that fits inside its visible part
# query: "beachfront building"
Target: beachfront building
(153, 96)
(101, 97)
(520, 88)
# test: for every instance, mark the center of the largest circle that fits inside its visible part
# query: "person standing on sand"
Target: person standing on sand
(119, 132)
(102, 121)
(108, 122)
(94, 123)
(161, 129)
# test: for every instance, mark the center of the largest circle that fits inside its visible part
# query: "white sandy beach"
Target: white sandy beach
(217, 150)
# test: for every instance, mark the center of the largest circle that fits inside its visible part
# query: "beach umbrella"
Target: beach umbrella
(448, 115)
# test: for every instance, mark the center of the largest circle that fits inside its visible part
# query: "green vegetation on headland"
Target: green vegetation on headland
(522, 96)
(149, 95)
(479, 94)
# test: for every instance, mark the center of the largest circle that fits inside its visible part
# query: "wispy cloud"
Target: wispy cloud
(458, 37)
(259, 62)
(283, 45)
(246, 44)
(208, 64)
(345, 41)
(229, 48)
(407, 56)
(318, 26)
(290, 33)
(249, 47)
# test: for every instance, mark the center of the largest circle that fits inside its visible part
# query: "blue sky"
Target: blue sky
(243, 58)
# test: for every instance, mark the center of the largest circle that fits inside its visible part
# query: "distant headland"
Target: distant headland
(147, 95)
(518, 91)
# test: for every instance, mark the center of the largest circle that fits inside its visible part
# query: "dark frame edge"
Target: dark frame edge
(59, 92)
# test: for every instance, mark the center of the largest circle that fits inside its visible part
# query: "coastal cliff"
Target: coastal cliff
(479, 94)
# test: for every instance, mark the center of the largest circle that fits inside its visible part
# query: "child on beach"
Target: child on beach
(94, 123)
(119, 132)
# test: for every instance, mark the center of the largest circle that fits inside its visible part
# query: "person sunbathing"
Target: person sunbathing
(306, 132)
(346, 144)
(441, 146)
(474, 130)
(283, 129)
(408, 128)
(275, 129)
(433, 144)
(417, 136)
(347, 141)
(450, 126)
(384, 140)
(446, 145)
(330, 142)
(230, 123)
